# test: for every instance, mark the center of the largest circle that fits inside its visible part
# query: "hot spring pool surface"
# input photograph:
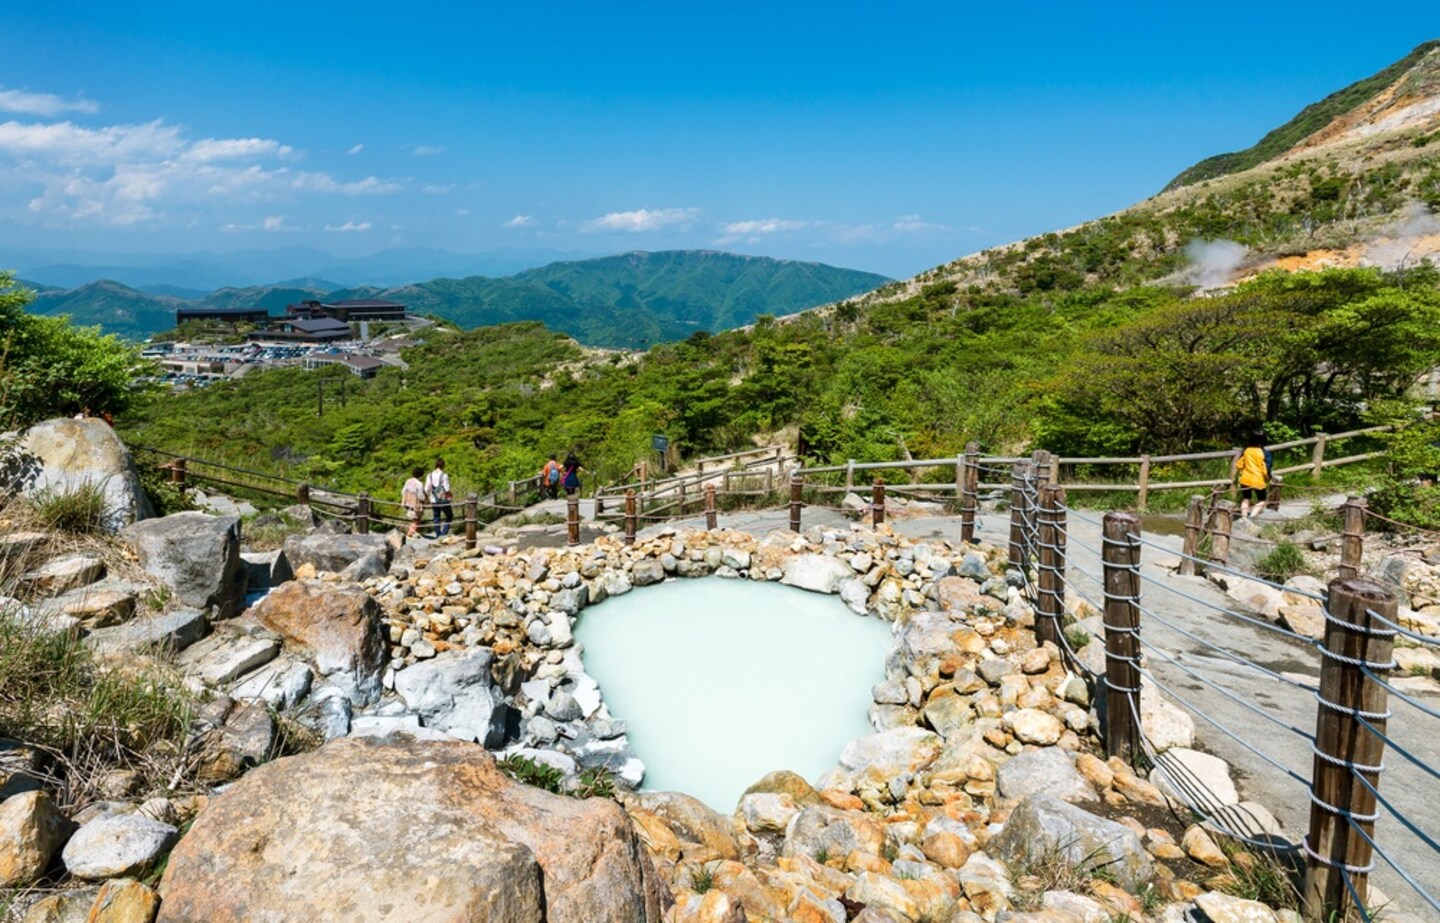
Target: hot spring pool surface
(721, 681)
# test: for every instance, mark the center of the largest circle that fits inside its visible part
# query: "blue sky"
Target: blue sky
(889, 137)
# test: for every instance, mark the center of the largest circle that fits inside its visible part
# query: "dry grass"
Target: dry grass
(1050, 870)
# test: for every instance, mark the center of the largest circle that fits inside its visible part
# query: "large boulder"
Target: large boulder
(113, 845)
(1048, 769)
(366, 830)
(1044, 827)
(454, 691)
(63, 456)
(339, 624)
(818, 573)
(197, 556)
(331, 553)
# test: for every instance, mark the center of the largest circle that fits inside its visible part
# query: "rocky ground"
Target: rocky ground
(342, 758)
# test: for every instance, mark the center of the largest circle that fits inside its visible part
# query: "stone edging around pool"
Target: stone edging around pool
(509, 619)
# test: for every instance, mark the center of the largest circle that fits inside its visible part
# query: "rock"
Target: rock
(196, 555)
(1043, 824)
(1197, 779)
(1258, 597)
(68, 906)
(31, 830)
(882, 893)
(961, 595)
(882, 757)
(1081, 908)
(1033, 726)
(21, 546)
(1047, 770)
(1307, 619)
(767, 812)
(948, 713)
(172, 632)
(64, 573)
(390, 827)
(368, 565)
(124, 900)
(1198, 846)
(281, 684)
(455, 689)
(986, 884)
(692, 821)
(783, 781)
(646, 572)
(1165, 724)
(98, 605)
(1222, 908)
(1246, 819)
(711, 907)
(818, 573)
(330, 553)
(62, 456)
(115, 845)
(223, 658)
(339, 624)
(20, 768)
(945, 849)
(821, 829)
(245, 739)
(973, 566)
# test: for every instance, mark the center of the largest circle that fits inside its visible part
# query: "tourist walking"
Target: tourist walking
(550, 480)
(437, 485)
(1252, 476)
(412, 497)
(571, 479)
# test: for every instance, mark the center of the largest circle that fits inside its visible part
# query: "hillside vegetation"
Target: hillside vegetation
(629, 300)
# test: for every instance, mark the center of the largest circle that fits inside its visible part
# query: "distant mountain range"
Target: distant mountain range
(628, 300)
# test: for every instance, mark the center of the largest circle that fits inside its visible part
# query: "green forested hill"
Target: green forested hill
(629, 300)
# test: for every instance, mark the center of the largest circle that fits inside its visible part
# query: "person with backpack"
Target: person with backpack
(412, 498)
(1252, 475)
(437, 485)
(571, 479)
(550, 480)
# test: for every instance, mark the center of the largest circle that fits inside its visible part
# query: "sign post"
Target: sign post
(661, 444)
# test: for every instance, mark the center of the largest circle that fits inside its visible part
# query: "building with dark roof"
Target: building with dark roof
(224, 315)
(351, 309)
(302, 330)
(358, 365)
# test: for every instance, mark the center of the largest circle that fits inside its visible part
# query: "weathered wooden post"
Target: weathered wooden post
(1121, 557)
(362, 513)
(850, 474)
(630, 516)
(769, 481)
(710, 507)
(1317, 458)
(969, 490)
(681, 508)
(511, 493)
(796, 487)
(1019, 475)
(1194, 523)
(1348, 755)
(572, 521)
(1352, 537)
(472, 520)
(1144, 494)
(177, 473)
(302, 494)
(877, 504)
(1275, 492)
(1049, 604)
(1221, 518)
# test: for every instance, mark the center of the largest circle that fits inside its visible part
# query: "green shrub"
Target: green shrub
(1282, 562)
(525, 770)
(595, 782)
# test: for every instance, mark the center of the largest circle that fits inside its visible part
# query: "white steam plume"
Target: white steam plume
(1213, 262)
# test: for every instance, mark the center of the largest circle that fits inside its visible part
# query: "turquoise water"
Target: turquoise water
(721, 681)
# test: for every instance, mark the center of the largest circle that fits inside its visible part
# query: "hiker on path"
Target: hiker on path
(1252, 476)
(412, 497)
(437, 485)
(550, 480)
(571, 479)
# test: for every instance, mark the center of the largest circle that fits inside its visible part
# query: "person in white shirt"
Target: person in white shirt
(412, 497)
(437, 486)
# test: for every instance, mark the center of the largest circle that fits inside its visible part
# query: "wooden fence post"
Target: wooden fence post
(1144, 495)
(1352, 537)
(362, 513)
(710, 507)
(769, 481)
(630, 516)
(472, 520)
(1275, 492)
(1346, 751)
(877, 504)
(511, 493)
(681, 508)
(796, 487)
(177, 473)
(850, 474)
(1121, 558)
(1221, 518)
(1194, 522)
(1050, 602)
(969, 491)
(1317, 459)
(302, 494)
(572, 521)
(1015, 555)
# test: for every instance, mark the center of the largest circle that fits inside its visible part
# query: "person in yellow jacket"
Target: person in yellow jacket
(1252, 476)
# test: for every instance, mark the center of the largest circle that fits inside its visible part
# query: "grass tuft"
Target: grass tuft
(79, 510)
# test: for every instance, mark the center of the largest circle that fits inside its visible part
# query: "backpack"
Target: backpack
(1269, 462)
(432, 486)
(552, 473)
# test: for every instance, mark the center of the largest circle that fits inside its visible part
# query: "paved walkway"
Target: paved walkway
(1411, 789)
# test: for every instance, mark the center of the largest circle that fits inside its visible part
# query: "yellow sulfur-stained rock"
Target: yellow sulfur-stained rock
(122, 900)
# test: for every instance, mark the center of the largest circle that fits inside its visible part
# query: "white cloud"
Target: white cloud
(643, 219)
(151, 173)
(910, 224)
(349, 227)
(437, 188)
(520, 221)
(45, 105)
(356, 149)
(753, 231)
(429, 150)
(270, 224)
